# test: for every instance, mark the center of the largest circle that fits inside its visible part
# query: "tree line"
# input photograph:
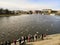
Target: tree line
(6, 11)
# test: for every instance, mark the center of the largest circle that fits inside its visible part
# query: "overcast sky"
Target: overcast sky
(30, 4)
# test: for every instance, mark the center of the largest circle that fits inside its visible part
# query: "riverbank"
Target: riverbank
(22, 14)
(10, 15)
(49, 40)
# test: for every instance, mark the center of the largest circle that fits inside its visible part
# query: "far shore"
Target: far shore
(10, 15)
(7, 15)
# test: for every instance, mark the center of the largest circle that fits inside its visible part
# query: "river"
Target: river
(12, 27)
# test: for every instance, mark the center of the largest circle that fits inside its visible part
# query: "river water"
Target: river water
(12, 27)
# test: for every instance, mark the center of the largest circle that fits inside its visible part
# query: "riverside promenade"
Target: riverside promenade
(48, 40)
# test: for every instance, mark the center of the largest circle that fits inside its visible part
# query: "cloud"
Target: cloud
(24, 4)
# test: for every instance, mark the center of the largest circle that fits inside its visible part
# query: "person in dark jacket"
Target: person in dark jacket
(42, 37)
(32, 38)
(24, 38)
(19, 41)
(5, 43)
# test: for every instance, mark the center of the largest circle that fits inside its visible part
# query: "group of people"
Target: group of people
(23, 39)
(5, 43)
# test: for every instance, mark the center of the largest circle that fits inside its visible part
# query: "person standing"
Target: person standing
(14, 42)
(42, 37)
(22, 41)
(5, 42)
(19, 41)
(8, 42)
(45, 35)
(24, 38)
(35, 37)
(29, 38)
(32, 38)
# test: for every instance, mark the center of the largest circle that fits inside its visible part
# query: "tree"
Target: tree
(7, 11)
(1, 11)
(30, 12)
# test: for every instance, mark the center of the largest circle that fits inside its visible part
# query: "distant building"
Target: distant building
(58, 12)
(46, 11)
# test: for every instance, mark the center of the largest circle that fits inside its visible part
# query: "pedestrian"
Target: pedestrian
(45, 35)
(29, 38)
(25, 38)
(8, 42)
(42, 37)
(19, 41)
(22, 41)
(35, 37)
(14, 42)
(5, 42)
(32, 38)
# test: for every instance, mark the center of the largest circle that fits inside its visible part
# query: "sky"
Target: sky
(30, 4)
